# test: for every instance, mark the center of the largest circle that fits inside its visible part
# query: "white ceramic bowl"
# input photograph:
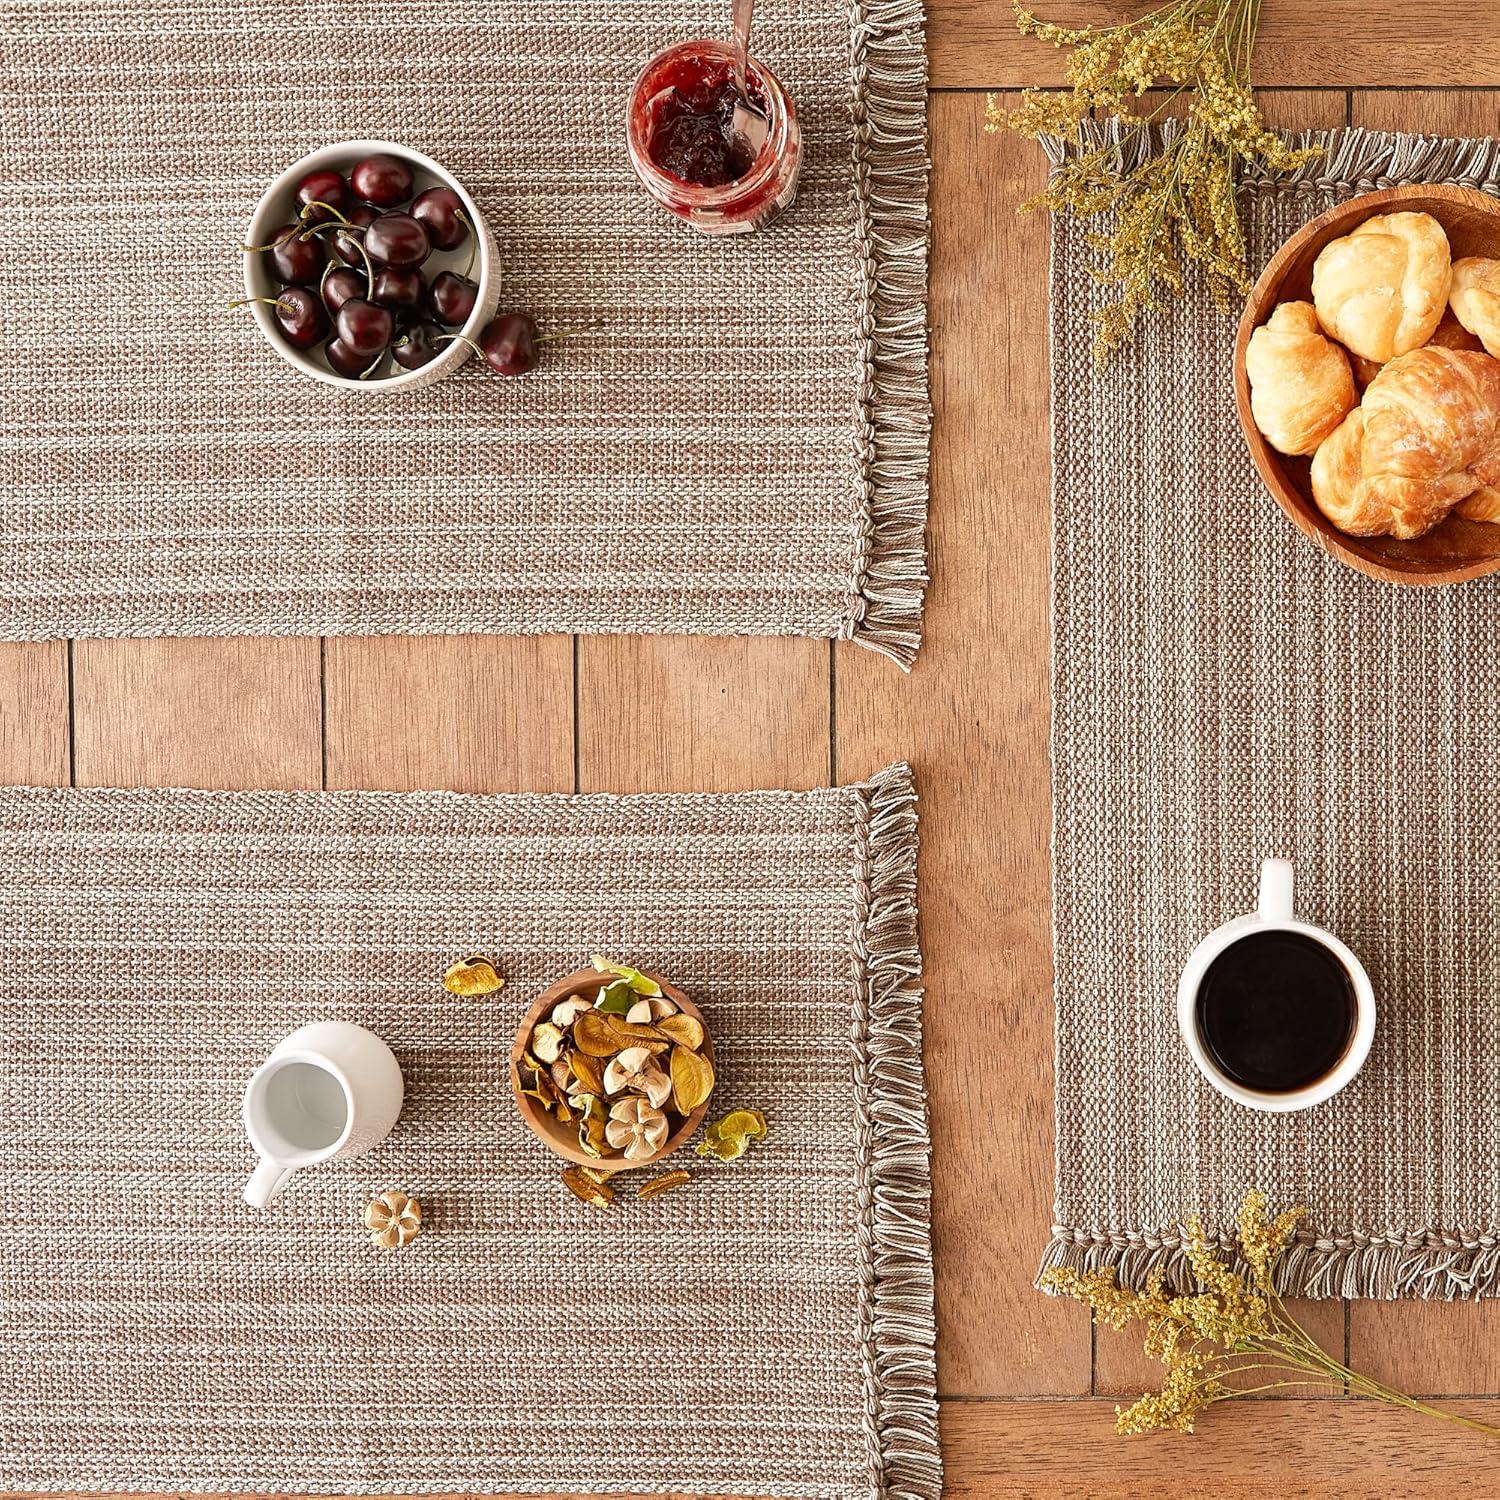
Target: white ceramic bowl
(278, 206)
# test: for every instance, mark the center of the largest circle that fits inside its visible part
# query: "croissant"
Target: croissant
(1382, 288)
(1475, 298)
(1300, 385)
(1402, 459)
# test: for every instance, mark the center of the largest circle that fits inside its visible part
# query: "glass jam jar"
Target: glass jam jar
(683, 148)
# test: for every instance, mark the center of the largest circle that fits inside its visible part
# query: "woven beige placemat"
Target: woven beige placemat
(1224, 691)
(741, 448)
(767, 1330)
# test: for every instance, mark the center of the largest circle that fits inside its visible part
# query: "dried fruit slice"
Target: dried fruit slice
(593, 1035)
(692, 1079)
(591, 1127)
(589, 1071)
(683, 1030)
(632, 1034)
(585, 1185)
(642, 984)
(472, 976)
(726, 1148)
(546, 1042)
(663, 1184)
(615, 999)
(749, 1122)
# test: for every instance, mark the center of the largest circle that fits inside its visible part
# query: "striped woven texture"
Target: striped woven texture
(1224, 691)
(741, 447)
(766, 1330)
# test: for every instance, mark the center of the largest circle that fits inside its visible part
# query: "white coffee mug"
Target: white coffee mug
(1274, 913)
(329, 1090)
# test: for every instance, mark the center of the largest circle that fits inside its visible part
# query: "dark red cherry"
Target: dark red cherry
(382, 179)
(397, 240)
(440, 211)
(341, 285)
(300, 316)
(509, 343)
(342, 360)
(451, 298)
(414, 346)
(395, 288)
(343, 245)
(295, 261)
(322, 187)
(363, 328)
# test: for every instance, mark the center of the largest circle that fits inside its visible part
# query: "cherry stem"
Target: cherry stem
(345, 228)
(285, 306)
(319, 203)
(274, 245)
(463, 338)
(365, 374)
(463, 219)
(567, 333)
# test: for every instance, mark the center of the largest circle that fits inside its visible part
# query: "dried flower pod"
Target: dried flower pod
(565, 1012)
(472, 976)
(642, 984)
(585, 1185)
(643, 1012)
(684, 1030)
(635, 1069)
(546, 1042)
(393, 1219)
(663, 1184)
(592, 1035)
(692, 1079)
(636, 1127)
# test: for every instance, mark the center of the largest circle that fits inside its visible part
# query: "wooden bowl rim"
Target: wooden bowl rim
(1353, 552)
(544, 1127)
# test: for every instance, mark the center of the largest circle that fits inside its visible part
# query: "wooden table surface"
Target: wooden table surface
(1026, 1389)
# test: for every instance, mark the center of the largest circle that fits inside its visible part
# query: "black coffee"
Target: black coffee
(1276, 1011)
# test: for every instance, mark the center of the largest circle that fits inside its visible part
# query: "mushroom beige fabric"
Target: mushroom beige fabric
(740, 448)
(1225, 691)
(765, 1330)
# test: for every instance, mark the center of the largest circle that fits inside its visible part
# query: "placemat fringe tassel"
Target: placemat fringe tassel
(895, 1218)
(889, 64)
(1442, 1266)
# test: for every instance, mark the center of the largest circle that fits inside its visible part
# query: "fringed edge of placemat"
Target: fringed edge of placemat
(1440, 1265)
(898, 1334)
(1352, 157)
(888, 63)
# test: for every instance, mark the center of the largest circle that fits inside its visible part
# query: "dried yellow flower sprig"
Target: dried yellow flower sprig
(1232, 1326)
(1177, 203)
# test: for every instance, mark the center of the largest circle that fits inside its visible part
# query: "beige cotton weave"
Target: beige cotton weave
(740, 448)
(766, 1330)
(1225, 691)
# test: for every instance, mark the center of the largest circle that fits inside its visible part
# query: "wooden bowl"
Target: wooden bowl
(563, 1139)
(1451, 552)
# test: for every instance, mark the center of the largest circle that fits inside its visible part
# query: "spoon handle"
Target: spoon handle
(743, 11)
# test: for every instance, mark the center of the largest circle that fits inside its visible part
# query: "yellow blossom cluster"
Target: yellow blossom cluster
(1232, 1336)
(1170, 205)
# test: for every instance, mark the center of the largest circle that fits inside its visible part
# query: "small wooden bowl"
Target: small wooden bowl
(1451, 552)
(563, 1139)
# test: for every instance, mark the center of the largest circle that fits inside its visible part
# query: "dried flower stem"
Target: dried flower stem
(1234, 1325)
(1176, 204)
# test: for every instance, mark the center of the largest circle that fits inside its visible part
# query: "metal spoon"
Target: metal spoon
(748, 123)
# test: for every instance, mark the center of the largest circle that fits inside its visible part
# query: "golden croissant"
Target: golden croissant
(1381, 289)
(1475, 298)
(1402, 459)
(1300, 385)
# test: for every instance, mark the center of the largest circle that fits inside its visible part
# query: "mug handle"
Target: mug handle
(265, 1182)
(1275, 904)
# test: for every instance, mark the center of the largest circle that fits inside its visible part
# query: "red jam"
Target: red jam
(690, 130)
(682, 143)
